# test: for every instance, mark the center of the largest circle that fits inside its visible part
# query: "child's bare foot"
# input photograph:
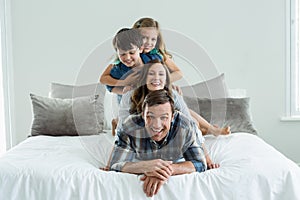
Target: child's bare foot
(204, 131)
(215, 130)
(114, 123)
(225, 130)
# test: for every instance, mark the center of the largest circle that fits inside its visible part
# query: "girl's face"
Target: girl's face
(130, 58)
(156, 77)
(150, 35)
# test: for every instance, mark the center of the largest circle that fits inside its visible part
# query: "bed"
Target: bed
(62, 162)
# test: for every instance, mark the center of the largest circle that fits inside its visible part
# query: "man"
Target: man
(153, 143)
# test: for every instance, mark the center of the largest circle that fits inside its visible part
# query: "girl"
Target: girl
(154, 44)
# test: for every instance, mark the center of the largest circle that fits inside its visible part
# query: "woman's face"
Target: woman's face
(156, 77)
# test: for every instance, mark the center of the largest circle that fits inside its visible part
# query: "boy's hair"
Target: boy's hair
(158, 97)
(125, 38)
(147, 22)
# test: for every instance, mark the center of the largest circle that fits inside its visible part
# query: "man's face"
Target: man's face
(158, 120)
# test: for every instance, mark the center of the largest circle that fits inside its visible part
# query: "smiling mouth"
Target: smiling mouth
(147, 48)
(156, 131)
(155, 84)
(128, 62)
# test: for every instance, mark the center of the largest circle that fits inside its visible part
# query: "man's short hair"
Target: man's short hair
(158, 97)
(125, 38)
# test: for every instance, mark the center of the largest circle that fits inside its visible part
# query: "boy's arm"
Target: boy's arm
(176, 73)
(107, 79)
(118, 90)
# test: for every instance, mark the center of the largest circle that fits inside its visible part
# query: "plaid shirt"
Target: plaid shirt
(133, 143)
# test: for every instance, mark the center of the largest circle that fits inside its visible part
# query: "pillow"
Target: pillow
(67, 117)
(63, 91)
(233, 112)
(212, 89)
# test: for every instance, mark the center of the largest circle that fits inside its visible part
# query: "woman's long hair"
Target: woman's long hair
(141, 91)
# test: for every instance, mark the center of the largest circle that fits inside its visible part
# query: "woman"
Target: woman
(132, 101)
(155, 76)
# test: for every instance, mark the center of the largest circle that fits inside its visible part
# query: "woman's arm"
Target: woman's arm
(176, 73)
(124, 107)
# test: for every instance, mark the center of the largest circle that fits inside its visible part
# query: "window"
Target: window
(2, 119)
(293, 65)
(6, 139)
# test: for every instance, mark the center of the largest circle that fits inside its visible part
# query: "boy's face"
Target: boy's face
(130, 58)
(158, 120)
(149, 38)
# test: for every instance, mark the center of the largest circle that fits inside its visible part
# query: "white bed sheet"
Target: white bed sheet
(44, 167)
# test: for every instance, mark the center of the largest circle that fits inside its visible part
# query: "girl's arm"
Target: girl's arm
(176, 73)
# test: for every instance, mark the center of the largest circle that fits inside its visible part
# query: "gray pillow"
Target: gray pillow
(212, 88)
(233, 112)
(67, 117)
(63, 91)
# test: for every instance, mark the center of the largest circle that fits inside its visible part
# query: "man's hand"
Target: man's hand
(151, 185)
(158, 168)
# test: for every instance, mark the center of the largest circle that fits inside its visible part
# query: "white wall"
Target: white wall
(245, 39)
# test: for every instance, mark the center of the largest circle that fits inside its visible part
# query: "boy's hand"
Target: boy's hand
(132, 78)
(127, 88)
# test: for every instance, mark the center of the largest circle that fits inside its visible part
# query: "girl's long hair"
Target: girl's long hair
(147, 22)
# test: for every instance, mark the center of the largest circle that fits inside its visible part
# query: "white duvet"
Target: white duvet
(44, 167)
